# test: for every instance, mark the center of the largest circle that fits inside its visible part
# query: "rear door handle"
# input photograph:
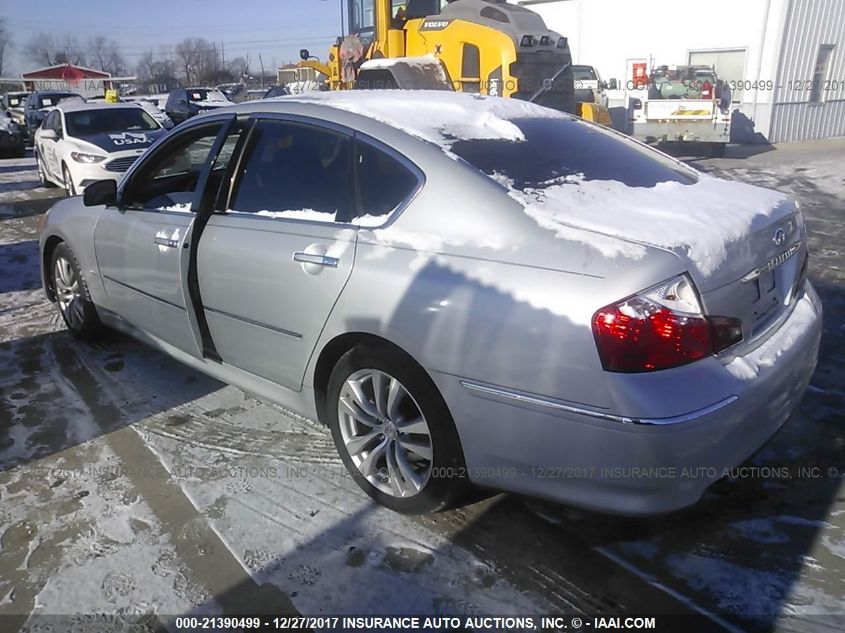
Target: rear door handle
(166, 241)
(319, 260)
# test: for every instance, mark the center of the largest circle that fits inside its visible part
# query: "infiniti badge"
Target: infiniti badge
(779, 237)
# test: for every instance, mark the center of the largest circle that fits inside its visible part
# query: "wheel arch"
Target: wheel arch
(331, 354)
(50, 245)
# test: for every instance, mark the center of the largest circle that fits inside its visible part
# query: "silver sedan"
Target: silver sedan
(466, 290)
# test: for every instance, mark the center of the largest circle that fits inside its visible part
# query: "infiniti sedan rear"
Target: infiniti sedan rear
(466, 290)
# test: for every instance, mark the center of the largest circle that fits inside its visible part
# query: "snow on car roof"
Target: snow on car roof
(438, 116)
(79, 106)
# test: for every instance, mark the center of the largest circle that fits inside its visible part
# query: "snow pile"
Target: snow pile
(299, 214)
(698, 220)
(800, 321)
(437, 116)
(426, 69)
(181, 207)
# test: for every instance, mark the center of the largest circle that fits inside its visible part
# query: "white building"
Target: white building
(787, 56)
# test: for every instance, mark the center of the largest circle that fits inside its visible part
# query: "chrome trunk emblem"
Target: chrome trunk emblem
(773, 263)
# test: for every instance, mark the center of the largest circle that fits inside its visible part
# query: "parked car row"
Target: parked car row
(12, 134)
(29, 110)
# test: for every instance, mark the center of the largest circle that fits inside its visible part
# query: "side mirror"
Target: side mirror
(304, 54)
(49, 135)
(613, 84)
(100, 192)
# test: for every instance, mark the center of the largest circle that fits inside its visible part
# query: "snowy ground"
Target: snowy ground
(134, 486)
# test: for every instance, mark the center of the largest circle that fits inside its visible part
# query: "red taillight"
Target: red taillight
(645, 333)
(707, 90)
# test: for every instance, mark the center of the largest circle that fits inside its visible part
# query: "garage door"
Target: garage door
(729, 64)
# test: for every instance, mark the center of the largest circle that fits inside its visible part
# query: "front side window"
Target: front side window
(52, 122)
(168, 180)
(555, 149)
(384, 183)
(296, 171)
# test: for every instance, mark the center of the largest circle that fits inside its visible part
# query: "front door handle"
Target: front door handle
(319, 260)
(161, 240)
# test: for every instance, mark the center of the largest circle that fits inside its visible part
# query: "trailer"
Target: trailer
(681, 104)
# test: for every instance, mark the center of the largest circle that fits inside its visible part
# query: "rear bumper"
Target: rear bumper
(689, 131)
(547, 448)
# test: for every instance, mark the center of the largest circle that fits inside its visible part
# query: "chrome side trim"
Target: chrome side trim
(525, 398)
(235, 317)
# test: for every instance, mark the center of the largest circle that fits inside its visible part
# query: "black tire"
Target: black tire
(42, 173)
(82, 320)
(446, 484)
(70, 190)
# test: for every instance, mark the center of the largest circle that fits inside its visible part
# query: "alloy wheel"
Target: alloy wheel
(385, 433)
(69, 188)
(68, 293)
(42, 175)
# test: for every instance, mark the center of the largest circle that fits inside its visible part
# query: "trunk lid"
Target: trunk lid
(743, 246)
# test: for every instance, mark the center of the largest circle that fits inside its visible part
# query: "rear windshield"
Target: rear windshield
(14, 101)
(205, 94)
(583, 73)
(556, 148)
(46, 101)
(91, 122)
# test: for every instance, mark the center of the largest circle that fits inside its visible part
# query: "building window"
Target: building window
(820, 73)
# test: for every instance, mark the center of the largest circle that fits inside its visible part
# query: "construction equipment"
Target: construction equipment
(483, 46)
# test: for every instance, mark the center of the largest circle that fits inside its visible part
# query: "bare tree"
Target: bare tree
(187, 56)
(70, 51)
(145, 69)
(41, 49)
(5, 39)
(239, 67)
(105, 55)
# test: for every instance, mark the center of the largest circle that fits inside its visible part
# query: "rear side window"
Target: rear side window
(556, 148)
(296, 171)
(384, 183)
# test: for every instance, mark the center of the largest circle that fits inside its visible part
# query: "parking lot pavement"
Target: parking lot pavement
(130, 484)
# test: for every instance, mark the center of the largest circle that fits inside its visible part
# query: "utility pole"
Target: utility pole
(261, 61)
(223, 52)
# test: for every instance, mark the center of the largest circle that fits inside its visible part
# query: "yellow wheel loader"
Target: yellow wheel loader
(479, 46)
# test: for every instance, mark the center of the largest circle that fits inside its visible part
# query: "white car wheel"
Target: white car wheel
(68, 180)
(42, 173)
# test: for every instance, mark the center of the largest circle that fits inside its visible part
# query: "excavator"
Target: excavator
(486, 47)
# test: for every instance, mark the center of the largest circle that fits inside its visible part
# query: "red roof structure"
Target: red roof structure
(65, 72)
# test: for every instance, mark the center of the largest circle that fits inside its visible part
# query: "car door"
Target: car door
(50, 147)
(143, 245)
(276, 255)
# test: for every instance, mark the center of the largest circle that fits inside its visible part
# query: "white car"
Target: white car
(80, 143)
(151, 106)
